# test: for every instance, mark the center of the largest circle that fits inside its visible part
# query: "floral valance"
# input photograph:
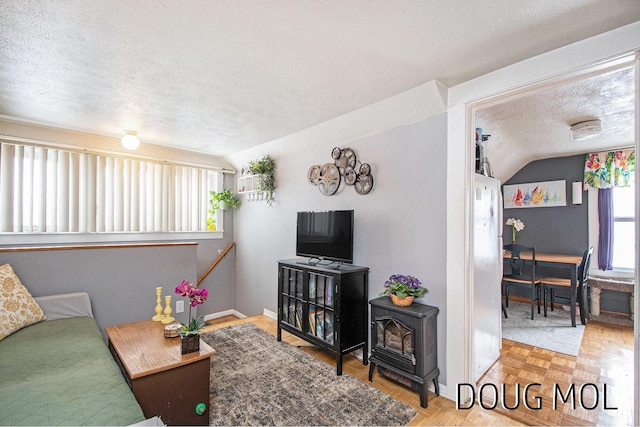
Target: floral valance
(609, 169)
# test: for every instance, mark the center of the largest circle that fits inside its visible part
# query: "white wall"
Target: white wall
(400, 226)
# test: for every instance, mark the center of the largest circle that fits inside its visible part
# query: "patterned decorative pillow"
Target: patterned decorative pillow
(17, 307)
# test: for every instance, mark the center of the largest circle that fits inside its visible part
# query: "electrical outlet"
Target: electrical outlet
(179, 306)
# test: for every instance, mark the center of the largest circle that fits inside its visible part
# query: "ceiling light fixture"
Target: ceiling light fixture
(130, 140)
(586, 130)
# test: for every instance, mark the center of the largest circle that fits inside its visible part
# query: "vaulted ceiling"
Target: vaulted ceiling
(220, 77)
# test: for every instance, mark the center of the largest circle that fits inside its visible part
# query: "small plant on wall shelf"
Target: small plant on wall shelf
(265, 169)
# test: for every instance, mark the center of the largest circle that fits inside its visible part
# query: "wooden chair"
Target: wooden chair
(550, 284)
(518, 277)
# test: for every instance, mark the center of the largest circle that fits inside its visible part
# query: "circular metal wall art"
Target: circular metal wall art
(347, 159)
(329, 176)
(329, 179)
(364, 184)
(350, 176)
(314, 174)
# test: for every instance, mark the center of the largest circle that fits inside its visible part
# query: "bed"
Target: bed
(60, 372)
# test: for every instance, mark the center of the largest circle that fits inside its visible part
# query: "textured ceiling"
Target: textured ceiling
(538, 126)
(223, 76)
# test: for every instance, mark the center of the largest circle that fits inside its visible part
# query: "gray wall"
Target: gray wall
(120, 281)
(400, 226)
(562, 229)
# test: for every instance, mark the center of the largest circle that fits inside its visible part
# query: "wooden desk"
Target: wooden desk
(568, 262)
(165, 382)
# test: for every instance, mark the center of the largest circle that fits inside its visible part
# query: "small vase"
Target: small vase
(190, 343)
(401, 301)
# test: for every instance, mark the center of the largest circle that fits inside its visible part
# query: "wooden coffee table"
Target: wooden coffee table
(165, 382)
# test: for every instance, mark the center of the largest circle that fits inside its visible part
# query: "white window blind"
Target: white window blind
(52, 190)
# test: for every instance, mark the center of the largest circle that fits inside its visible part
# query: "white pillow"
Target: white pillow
(17, 307)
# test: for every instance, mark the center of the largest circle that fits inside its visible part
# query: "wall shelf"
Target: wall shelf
(248, 185)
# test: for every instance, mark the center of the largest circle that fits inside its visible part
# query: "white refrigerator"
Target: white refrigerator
(487, 273)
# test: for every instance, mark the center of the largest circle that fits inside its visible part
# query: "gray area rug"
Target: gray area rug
(256, 380)
(553, 332)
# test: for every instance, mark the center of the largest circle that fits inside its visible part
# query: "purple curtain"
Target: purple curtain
(605, 219)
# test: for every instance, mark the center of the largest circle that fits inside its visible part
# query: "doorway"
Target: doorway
(539, 106)
(553, 68)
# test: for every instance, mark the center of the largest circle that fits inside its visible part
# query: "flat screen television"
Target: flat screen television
(325, 235)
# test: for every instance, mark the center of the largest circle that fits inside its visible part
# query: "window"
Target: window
(624, 248)
(48, 190)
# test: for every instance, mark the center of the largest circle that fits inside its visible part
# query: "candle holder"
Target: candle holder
(159, 316)
(167, 311)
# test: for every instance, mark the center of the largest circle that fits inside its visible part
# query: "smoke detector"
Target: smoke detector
(585, 130)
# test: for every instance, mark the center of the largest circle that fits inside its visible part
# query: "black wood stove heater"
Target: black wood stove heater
(403, 344)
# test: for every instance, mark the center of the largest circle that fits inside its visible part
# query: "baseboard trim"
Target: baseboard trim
(224, 313)
(270, 314)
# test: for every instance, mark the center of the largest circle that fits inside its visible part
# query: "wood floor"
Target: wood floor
(605, 357)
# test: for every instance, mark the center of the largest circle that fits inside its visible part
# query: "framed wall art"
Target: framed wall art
(543, 194)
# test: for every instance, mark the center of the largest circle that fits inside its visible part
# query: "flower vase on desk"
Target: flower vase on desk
(190, 332)
(190, 343)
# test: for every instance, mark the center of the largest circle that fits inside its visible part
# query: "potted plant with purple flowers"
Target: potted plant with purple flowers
(190, 332)
(403, 289)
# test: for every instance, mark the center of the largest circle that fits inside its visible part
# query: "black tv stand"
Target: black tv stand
(325, 307)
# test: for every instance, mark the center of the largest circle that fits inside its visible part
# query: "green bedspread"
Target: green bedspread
(60, 372)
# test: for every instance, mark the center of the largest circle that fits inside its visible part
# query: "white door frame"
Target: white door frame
(553, 68)
(636, 317)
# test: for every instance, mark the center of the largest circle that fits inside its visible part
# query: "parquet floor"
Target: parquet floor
(605, 357)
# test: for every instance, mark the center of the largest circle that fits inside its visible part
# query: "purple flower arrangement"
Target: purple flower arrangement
(403, 286)
(196, 296)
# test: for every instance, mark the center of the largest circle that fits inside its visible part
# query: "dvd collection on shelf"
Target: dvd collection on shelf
(321, 323)
(320, 304)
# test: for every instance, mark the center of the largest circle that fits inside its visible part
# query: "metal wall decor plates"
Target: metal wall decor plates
(329, 179)
(346, 166)
(346, 160)
(364, 181)
(314, 174)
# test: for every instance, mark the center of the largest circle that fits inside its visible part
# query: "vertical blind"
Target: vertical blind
(51, 190)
